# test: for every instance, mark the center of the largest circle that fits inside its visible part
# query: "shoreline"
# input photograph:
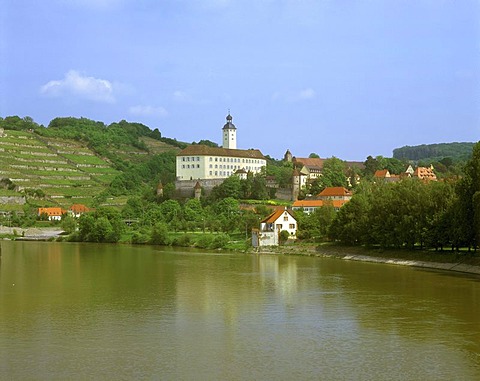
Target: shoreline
(360, 254)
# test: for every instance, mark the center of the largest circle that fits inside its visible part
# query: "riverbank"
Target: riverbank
(450, 261)
(30, 234)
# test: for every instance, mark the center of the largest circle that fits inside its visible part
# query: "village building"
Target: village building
(335, 193)
(52, 213)
(424, 173)
(333, 196)
(309, 206)
(76, 210)
(268, 233)
(212, 165)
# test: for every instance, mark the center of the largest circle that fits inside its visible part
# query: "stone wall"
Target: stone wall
(12, 200)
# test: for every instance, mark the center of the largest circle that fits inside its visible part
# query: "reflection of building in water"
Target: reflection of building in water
(281, 273)
(235, 288)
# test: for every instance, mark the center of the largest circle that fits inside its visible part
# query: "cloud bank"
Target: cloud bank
(81, 86)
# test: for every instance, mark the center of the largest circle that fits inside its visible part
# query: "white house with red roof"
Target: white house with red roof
(270, 227)
(53, 213)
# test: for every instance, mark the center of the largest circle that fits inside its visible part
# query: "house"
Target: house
(311, 167)
(270, 227)
(54, 214)
(386, 176)
(424, 173)
(309, 206)
(200, 162)
(77, 210)
(335, 193)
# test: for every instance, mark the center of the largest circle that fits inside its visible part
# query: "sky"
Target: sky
(339, 78)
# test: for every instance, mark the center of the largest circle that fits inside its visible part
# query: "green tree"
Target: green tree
(69, 224)
(160, 235)
(333, 173)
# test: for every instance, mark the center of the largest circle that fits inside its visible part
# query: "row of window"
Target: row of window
(235, 167)
(191, 158)
(234, 160)
(221, 173)
(190, 167)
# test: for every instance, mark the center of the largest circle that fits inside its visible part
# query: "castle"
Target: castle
(210, 166)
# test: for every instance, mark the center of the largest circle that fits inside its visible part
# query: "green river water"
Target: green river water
(118, 312)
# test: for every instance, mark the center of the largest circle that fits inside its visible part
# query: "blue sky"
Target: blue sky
(335, 77)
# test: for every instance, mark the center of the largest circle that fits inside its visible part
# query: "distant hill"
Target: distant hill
(435, 152)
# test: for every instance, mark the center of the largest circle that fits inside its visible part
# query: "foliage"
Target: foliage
(457, 151)
(69, 224)
(160, 234)
(104, 225)
(283, 236)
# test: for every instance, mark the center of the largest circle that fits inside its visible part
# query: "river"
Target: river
(117, 312)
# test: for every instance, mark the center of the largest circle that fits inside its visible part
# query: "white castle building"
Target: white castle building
(200, 162)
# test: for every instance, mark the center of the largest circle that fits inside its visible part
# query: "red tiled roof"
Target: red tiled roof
(318, 203)
(54, 211)
(334, 191)
(79, 208)
(271, 218)
(381, 173)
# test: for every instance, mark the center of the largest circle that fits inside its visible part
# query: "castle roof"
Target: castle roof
(201, 150)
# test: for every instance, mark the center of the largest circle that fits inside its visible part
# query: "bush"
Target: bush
(184, 240)
(220, 241)
(284, 235)
(204, 241)
(139, 238)
(160, 234)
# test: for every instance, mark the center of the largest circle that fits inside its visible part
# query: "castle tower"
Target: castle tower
(229, 134)
(197, 190)
(288, 156)
(296, 180)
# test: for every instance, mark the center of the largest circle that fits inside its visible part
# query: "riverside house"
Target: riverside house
(270, 227)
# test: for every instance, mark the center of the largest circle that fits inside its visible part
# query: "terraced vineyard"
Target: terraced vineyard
(64, 170)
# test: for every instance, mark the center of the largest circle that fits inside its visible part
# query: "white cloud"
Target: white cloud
(181, 96)
(302, 95)
(306, 94)
(78, 85)
(148, 111)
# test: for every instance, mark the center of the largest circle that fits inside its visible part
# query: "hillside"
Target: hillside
(435, 152)
(44, 167)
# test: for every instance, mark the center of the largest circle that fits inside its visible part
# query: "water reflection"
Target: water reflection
(108, 311)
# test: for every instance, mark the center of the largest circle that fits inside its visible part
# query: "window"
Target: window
(198, 165)
(183, 166)
(285, 218)
(210, 166)
(198, 158)
(210, 158)
(291, 226)
(210, 173)
(183, 159)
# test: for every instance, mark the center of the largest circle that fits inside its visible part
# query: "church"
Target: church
(211, 165)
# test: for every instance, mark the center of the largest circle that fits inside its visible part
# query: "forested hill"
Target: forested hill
(435, 152)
